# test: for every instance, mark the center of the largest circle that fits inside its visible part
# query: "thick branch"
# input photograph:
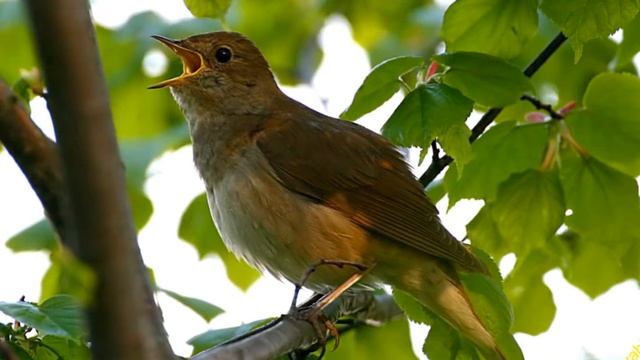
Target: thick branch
(35, 154)
(436, 167)
(287, 334)
(124, 321)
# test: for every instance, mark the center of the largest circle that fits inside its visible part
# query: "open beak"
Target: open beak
(192, 61)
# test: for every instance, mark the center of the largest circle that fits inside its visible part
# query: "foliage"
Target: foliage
(53, 329)
(557, 193)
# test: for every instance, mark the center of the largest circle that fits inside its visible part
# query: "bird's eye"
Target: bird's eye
(223, 54)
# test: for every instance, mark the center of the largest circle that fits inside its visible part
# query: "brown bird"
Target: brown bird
(289, 187)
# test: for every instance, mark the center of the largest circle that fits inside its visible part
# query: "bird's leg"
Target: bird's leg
(313, 313)
(307, 274)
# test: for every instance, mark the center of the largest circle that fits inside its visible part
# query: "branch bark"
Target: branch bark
(36, 155)
(436, 167)
(123, 318)
(287, 334)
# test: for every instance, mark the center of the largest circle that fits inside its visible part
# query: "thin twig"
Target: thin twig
(435, 168)
(542, 106)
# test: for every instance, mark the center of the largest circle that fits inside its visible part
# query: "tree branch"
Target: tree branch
(123, 319)
(36, 155)
(287, 334)
(436, 167)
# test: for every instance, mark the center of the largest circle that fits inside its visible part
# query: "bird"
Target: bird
(289, 187)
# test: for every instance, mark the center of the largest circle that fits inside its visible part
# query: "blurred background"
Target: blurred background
(320, 51)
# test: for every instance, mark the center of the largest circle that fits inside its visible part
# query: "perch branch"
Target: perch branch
(436, 167)
(286, 334)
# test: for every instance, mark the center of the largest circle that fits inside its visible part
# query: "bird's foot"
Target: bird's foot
(312, 311)
(323, 326)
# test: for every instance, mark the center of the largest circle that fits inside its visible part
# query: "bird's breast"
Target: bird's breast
(281, 231)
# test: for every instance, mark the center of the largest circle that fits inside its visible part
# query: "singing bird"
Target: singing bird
(289, 187)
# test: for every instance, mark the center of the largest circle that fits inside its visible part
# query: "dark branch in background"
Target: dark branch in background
(124, 320)
(36, 155)
(542, 106)
(287, 334)
(436, 167)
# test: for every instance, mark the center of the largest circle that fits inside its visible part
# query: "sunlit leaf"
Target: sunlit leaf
(208, 8)
(630, 44)
(59, 315)
(444, 342)
(14, 30)
(212, 338)
(432, 111)
(37, 237)
(293, 57)
(595, 267)
(503, 150)
(67, 275)
(484, 234)
(389, 341)
(609, 129)
(583, 20)
(414, 310)
(486, 79)
(67, 349)
(532, 300)
(530, 226)
(206, 310)
(604, 202)
(493, 309)
(382, 82)
(496, 27)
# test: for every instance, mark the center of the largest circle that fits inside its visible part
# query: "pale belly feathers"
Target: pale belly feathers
(283, 232)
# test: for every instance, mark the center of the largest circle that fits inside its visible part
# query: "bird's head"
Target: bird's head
(222, 70)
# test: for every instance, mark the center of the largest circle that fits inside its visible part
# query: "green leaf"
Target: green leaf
(382, 82)
(530, 226)
(444, 342)
(604, 202)
(67, 349)
(432, 111)
(37, 237)
(630, 44)
(503, 150)
(293, 57)
(486, 79)
(583, 20)
(493, 309)
(488, 300)
(215, 9)
(59, 315)
(389, 341)
(414, 310)
(14, 30)
(67, 275)
(609, 129)
(212, 338)
(206, 310)
(484, 234)
(532, 300)
(197, 228)
(595, 267)
(495, 27)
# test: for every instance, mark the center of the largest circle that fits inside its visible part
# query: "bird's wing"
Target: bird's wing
(356, 171)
